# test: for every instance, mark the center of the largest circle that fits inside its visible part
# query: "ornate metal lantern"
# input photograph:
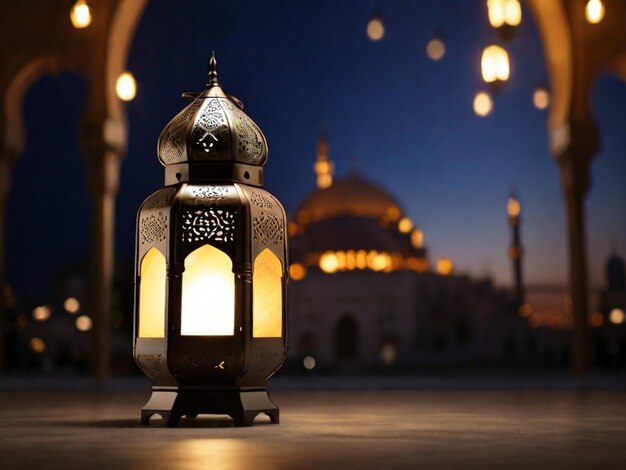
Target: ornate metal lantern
(211, 268)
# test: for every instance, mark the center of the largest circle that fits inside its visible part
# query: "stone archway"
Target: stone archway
(100, 55)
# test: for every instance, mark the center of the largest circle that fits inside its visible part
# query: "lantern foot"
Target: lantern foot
(242, 406)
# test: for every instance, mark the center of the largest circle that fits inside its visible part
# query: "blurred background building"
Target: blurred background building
(399, 261)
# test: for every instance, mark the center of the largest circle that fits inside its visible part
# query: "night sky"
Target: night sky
(408, 122)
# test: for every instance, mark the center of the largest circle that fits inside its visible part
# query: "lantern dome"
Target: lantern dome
(212, 129)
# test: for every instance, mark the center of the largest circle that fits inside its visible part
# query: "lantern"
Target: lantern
(211, 268)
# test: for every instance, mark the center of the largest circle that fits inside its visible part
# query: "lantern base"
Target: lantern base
(241, 405)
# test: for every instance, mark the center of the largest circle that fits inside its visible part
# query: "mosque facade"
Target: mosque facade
(365, 294)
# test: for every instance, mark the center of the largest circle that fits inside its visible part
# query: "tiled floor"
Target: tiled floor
(341, 429)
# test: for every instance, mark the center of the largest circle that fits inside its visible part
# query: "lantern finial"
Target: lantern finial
(212, 71)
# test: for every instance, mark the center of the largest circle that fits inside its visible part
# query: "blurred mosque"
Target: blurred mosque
(365, 294)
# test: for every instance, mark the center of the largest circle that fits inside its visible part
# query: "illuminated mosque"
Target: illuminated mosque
(364, 293)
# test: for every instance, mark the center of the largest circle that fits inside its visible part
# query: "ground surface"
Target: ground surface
(337, 429)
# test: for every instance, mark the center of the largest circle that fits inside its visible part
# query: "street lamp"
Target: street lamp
(211, 268)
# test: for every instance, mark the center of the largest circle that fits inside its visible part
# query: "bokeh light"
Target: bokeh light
(126, 87)
(482, 104)
(436, 49)
(80, 15)
(375, 29)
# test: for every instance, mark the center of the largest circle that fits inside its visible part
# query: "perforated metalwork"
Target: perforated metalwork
(208, 224)
(267, 228)
(172, 144)
(261, 200)
(210, 137)
(153, 228)
(208, 194)
(250, 143)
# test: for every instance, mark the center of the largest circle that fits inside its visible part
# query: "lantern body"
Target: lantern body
(210, 297)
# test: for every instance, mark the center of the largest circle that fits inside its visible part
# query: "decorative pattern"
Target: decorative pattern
(261, 200)
(250, 142)
(205, 194)
(208, 224)
(153, 228)
(267, 229)
(160, 200)
(172, 143)
(210, 119)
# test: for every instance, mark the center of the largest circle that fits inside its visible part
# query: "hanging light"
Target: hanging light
(483, 104)
(504, 13)
(436, 48)
(80, 15)
(376, 28)
(541, 98)
(126, 87)
(211, 268)
(594, 11)
(494, 64)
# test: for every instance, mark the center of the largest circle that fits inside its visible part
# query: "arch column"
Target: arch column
(103, 146)
(574, 161)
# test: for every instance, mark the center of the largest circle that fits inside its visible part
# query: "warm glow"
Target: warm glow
(297, 271)
(417, 238)
(380, 262)
(393, 213)
(535, 320)
(513, 207)
(445, 266)
(292, 229)
(71, 305)
(596, 319)
(126, 87)
(594, 11)
(388, 354)
(504, 12)
(329, 262)
(208, 303)
(375, 29)
(324, 181)
(482, 104)
(541, 98)
(37, 345)
(80, 15)
(617, 316)
(309, 362)
(83, 323)
(405, 225)
(525, 310)
(361, 259)
(267, 296)
(495, 64)
(152, 286)
(42, 313)
(435, 49)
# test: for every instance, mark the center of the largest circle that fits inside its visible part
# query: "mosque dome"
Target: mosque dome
(349, 196)
(354, 224)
